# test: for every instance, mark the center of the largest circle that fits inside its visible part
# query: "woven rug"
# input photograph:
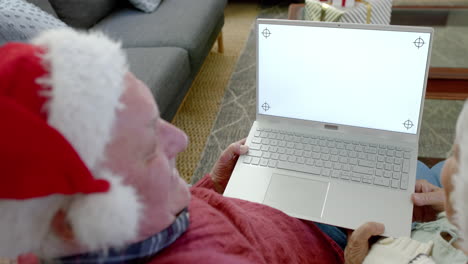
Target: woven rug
(201, 104)
(237, 111)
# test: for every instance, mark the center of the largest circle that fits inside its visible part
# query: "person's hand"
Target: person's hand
(358, 242)
(428, 200)
(222, 170)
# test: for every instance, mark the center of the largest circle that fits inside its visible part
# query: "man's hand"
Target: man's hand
(428, 200)
(358, 242)
(222, 170)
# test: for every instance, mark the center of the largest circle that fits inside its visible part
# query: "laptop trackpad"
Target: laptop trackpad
(296, 196)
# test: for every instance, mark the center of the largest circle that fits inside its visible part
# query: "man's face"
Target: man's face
(143, 150)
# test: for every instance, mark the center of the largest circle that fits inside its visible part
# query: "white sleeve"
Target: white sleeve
(400, 250)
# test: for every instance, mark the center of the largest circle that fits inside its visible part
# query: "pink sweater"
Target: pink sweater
(226, 230)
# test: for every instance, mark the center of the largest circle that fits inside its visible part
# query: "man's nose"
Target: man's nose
(174, 139)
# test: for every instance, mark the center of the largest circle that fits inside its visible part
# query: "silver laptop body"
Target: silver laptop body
(339, 110)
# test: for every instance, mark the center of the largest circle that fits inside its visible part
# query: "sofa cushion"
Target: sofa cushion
(164, 70)
(21, 21)
(176, 23)
(82, 13)
(147, 6)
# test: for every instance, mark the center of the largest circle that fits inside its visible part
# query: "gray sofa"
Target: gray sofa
(166, 48)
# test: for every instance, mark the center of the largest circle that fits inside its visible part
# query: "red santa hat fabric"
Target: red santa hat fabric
(28, 145)
(59, 98)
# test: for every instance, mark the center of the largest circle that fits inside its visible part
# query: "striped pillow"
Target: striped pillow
(21, 21)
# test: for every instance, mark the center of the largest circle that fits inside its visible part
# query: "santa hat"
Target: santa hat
(459, 195)
(58, 102)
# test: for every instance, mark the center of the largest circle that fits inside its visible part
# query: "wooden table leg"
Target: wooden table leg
(220, 43)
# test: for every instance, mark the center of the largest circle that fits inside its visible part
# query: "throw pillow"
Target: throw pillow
(82, 13)
(21, 21)
(147, 6)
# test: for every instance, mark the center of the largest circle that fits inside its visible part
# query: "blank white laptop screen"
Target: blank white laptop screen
(364, 78)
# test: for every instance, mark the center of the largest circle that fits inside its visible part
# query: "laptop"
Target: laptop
(339, 109)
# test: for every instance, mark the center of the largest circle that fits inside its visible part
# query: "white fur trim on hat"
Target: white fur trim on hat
(459, 195)
(98, 223)
(86, 76)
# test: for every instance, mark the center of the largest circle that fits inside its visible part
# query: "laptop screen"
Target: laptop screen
(358, 77)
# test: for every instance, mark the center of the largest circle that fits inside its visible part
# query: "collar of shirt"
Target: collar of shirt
(139, 252)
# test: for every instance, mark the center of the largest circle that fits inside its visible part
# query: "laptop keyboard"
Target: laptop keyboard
(371, 164)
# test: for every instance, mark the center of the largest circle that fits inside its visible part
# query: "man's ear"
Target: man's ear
(62, 227)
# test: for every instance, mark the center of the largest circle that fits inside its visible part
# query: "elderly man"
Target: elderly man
(89, 176)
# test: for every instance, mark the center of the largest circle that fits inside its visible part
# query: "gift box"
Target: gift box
(366, 11)
(369, 12)
(317, 11)
(343, 3)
